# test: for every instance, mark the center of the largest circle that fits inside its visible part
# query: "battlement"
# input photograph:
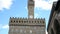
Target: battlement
(26, 21)
(27, 18)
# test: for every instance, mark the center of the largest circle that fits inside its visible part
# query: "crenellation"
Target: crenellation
(27, 21)
(26, 18)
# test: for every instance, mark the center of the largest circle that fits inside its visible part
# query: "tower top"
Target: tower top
(30, 9)
(30, 0)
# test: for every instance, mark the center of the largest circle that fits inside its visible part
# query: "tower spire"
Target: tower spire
(30, 9)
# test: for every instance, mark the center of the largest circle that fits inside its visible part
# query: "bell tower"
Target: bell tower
(30, 9)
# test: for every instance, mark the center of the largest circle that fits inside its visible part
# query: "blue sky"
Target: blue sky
(18, 8)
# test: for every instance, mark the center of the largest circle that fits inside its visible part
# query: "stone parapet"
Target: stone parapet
(26, 21)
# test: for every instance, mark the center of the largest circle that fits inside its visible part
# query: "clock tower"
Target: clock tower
(28, 25)
(30, 9)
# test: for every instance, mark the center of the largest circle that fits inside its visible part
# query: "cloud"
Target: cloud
(46, 5)
(0, 26)
(5, 27)
(26, 8)
(5, 4)
(36, 15)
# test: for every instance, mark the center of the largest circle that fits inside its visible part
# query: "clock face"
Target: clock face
(31, 16)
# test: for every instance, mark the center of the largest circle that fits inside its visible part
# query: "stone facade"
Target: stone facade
(54, 20)
(28, 25)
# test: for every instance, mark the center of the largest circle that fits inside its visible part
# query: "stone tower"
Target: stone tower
(30, 9)
(28, 25)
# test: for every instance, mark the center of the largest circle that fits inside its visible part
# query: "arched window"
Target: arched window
(19, 21)
(11, 20)
(14, 20)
